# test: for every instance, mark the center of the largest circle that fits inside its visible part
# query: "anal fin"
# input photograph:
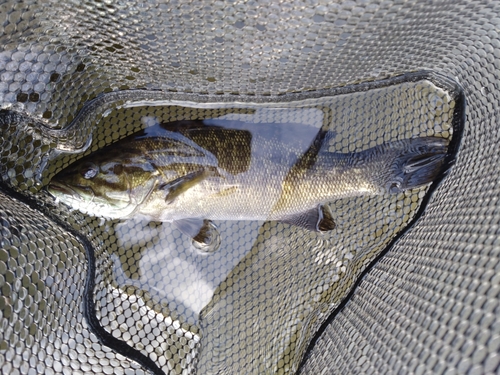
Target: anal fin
(318, 219)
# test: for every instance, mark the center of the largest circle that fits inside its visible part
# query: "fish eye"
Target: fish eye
(89, 172)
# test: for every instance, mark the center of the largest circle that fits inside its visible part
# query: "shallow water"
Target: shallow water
(270, 285)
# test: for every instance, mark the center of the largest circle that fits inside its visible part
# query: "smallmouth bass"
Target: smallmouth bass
(190, 172)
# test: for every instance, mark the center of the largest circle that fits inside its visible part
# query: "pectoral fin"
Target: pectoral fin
(204, 233)
(318, 219)
(180, 185)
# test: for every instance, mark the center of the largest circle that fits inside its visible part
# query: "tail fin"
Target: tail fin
(420, 161)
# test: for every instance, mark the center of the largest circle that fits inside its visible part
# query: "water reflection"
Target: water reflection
(191, 172)
(271, 284)
(188, 174)
(165, 262)
(167, 266)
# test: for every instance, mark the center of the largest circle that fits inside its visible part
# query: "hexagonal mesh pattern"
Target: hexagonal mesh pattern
(442, 277)
(157, 296)
(42, 272)
(429, 305)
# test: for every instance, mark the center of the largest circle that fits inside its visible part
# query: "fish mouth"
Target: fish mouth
(58, 190)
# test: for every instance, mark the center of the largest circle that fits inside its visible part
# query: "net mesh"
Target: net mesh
(76, 74)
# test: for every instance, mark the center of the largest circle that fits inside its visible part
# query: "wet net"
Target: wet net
(404, 283)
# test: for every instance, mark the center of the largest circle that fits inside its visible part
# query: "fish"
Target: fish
(193, 172)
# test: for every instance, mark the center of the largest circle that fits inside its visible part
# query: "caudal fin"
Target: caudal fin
(419, 162)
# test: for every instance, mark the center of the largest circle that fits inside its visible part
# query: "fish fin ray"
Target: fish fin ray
(206, 233)
(203, 233)
(174, 188)
(318, 219)
(419, 164)
(190, 226)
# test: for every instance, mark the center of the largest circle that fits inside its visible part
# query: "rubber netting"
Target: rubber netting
(390, 290)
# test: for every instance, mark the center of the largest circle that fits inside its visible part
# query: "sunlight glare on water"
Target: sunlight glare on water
(261, 263)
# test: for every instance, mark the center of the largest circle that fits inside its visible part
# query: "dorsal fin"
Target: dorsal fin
(231, 147)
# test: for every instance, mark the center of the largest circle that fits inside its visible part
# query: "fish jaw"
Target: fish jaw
(61, 191)
(85, 201)
(70, 195)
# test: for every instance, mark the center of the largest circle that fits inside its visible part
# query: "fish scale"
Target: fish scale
(229, 170)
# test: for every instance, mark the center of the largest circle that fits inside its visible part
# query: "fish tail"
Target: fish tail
(417, 162)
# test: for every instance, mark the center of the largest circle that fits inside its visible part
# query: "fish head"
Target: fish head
(108, 183)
